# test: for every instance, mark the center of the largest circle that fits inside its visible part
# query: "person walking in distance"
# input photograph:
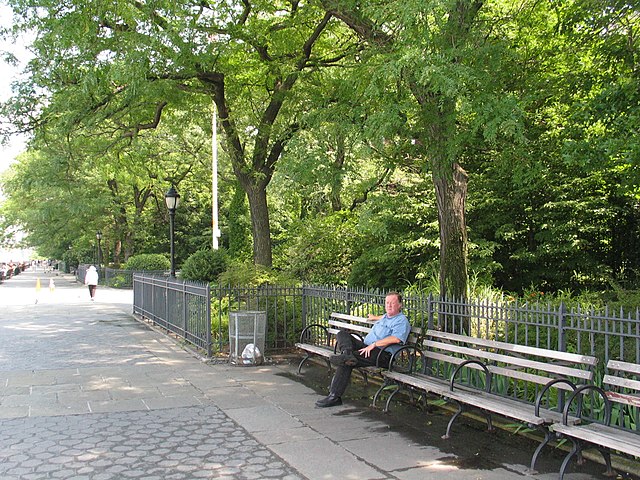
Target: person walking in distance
(91, 279)
(389, 332)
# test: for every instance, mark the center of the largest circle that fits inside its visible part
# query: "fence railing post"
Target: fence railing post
(562, 323)
(303, 307)
(208, 319)
(184, 309)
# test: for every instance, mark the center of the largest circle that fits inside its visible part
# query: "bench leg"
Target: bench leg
(577, 450)
(365, 377)
(307, 357)
(304, 359)
(453, 419)
(487, 416)
(386, 405)
(574, 450)
(606, 454)
(384, 385)
(326, 360)
(548, 435)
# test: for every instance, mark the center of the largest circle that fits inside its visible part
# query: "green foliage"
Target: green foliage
(204, 265)
(398, 234)
(323, 249)
(120, 281)
(148, 261)
(247, 274)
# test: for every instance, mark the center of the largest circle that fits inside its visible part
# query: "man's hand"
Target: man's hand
(366, 351)
(373, 318)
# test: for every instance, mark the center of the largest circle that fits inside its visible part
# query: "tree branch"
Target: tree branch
(147, 126)
(363, 198)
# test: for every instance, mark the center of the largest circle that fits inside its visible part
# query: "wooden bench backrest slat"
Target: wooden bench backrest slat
(523, 349)
(621, 366)
(521, 362)
(349, 326)
(350, 318)
(622, 382)
(506, 372)
(625, 399)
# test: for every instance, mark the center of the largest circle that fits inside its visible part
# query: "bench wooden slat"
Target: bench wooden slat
(524, 349)
(349, 326)
(621, 382)
(316, 349)
(624, 366)
(522, 362)
(351, 318)
(597, 434)
(624, 398)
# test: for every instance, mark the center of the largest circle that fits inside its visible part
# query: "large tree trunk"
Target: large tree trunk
(257, 196)
(451, 193)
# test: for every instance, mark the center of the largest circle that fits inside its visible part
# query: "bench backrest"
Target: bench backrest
(516, 362)
(621, 382)
(362, 325)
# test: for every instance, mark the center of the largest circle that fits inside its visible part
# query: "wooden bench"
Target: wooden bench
(479, 373)
(318, 340)
(621, 392)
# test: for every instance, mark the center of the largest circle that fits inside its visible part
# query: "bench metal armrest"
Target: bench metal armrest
(414, 352)
(547, 387)
(309, 327)
(578, 393)
(464, 364)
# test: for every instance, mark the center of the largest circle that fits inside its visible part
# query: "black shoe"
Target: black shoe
(346, 358)
(330, 401)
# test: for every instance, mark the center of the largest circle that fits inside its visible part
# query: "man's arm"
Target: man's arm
(385, 342)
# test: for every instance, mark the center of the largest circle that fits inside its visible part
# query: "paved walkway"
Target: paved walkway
(88, 392)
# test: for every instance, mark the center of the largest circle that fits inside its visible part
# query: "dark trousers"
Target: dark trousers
(348, 343)
(92, 290)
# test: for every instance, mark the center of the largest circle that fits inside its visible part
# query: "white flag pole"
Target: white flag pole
(215, 230)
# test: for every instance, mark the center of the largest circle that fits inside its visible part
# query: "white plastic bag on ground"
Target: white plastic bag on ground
(251, 355)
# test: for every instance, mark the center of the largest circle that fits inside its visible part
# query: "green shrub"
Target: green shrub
(120, 281)
(148, 261)
(204, 265)
(246, 274)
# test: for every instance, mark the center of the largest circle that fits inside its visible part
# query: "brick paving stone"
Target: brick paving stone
(84, 447)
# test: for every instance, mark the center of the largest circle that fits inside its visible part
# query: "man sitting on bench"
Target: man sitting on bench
(390, 330)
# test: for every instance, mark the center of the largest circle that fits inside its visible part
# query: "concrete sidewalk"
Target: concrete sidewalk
(88, 392)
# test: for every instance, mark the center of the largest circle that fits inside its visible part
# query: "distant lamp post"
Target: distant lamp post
(172, 199)
(99, 237)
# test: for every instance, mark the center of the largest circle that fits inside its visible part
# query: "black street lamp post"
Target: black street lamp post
(99, 237)
(172, 198)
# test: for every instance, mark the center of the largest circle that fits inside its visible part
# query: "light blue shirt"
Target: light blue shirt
(398, 326)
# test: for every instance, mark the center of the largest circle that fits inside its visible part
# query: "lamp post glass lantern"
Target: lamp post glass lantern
(99, 237)
(172, 199)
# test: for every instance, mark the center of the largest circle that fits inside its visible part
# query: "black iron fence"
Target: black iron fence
(180, 307)
(605, 334)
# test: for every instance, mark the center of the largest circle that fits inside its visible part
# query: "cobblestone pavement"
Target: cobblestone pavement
(183, 443)
(87, 392)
